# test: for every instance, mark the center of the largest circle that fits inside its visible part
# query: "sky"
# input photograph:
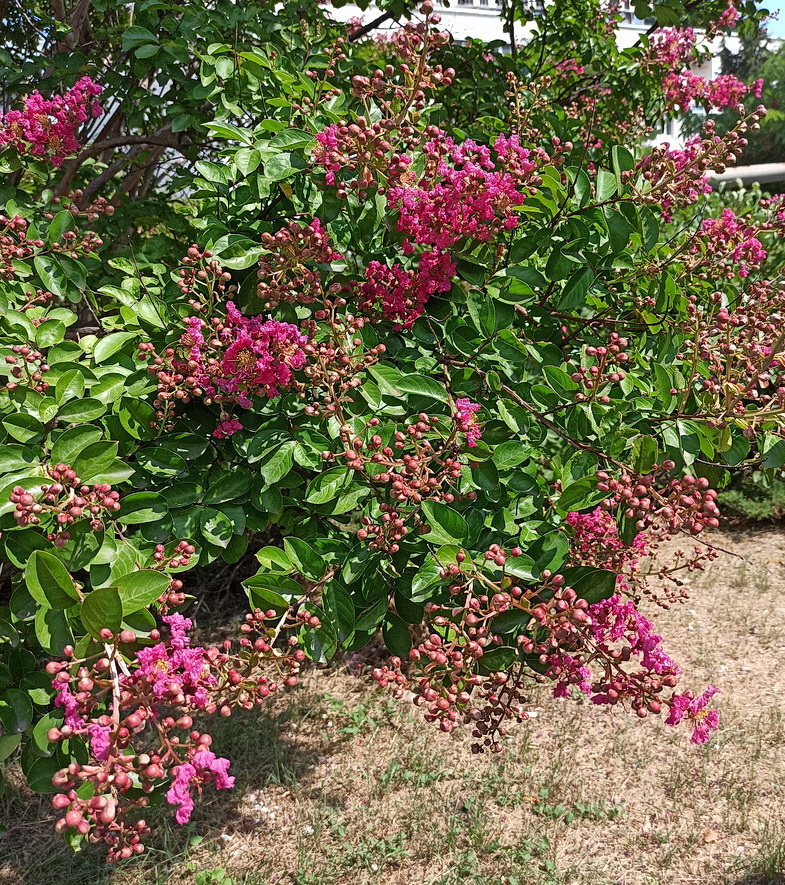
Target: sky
(776, 27)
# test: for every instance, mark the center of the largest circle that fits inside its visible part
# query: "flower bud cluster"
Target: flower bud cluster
(202, 277)
(14, 244)
(685, 504)
(286, 271)
(606, 650)
(604, 372)
(335, 363)
(61, 503)
(29, 367)
(741, 354)
(91, 212)
(678, 178)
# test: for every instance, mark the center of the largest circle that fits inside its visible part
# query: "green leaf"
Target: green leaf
(102, 609)
(606, 185)
(292, 138)
(275, 559)
(623, 161)
(447, 525)
(575, 289)
(140, 588)
(40, 772)
(53, 630)
(396, 636)
(136, 36)
(579, 495)
(161, 461)
(23, 427)
(421, 385)
(16, 710)
(60, 224)
(87, 409)
(9, 743)
(40, 730)
(94, 461)
(49, 333)
(339, 605)
(51, 274)
(213, 172)
(320, 643)
(276, 464)
(136, 417)
(327, 486)
(591, 584)
(49, 582)
(72, 441)
(216, 527)
(142, 507)
(497, 659)
(229, 486)
(110, 345)
(305, 559)
(70, 385)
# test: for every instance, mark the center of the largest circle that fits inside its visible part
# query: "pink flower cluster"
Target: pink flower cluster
(726, 91)
(613, 620)
(466, 420)
(137, 718)
(47, 127)
(240, 358)
(400, 295)
(728, 19)
(463, 192)
(176, 672)
(569, 66)
(695, 710)
(566, 671)
(612, 623)
(728, 239)
(204, 767)
(669, 47)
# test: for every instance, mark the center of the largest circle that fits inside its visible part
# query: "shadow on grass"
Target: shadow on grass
(766, 868)
(33, 854)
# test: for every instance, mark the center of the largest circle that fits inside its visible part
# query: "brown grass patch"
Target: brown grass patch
(337, 785)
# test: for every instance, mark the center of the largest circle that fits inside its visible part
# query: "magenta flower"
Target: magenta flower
(68, 703)
(401, 295)
(205, 767)
(100, 743)
(463, 192)
(568, 672)
(226, 428)
(466, 420)
(176, 670)
(47, 127)
(695, 709)
(178, 630)
(179, 793)
(248, 357)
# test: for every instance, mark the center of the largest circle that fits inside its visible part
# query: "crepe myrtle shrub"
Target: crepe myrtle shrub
(453, 390)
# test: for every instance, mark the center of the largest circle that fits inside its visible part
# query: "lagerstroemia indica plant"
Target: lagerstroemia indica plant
(453, 388)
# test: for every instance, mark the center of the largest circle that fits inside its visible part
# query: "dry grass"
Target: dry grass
(339, 786)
